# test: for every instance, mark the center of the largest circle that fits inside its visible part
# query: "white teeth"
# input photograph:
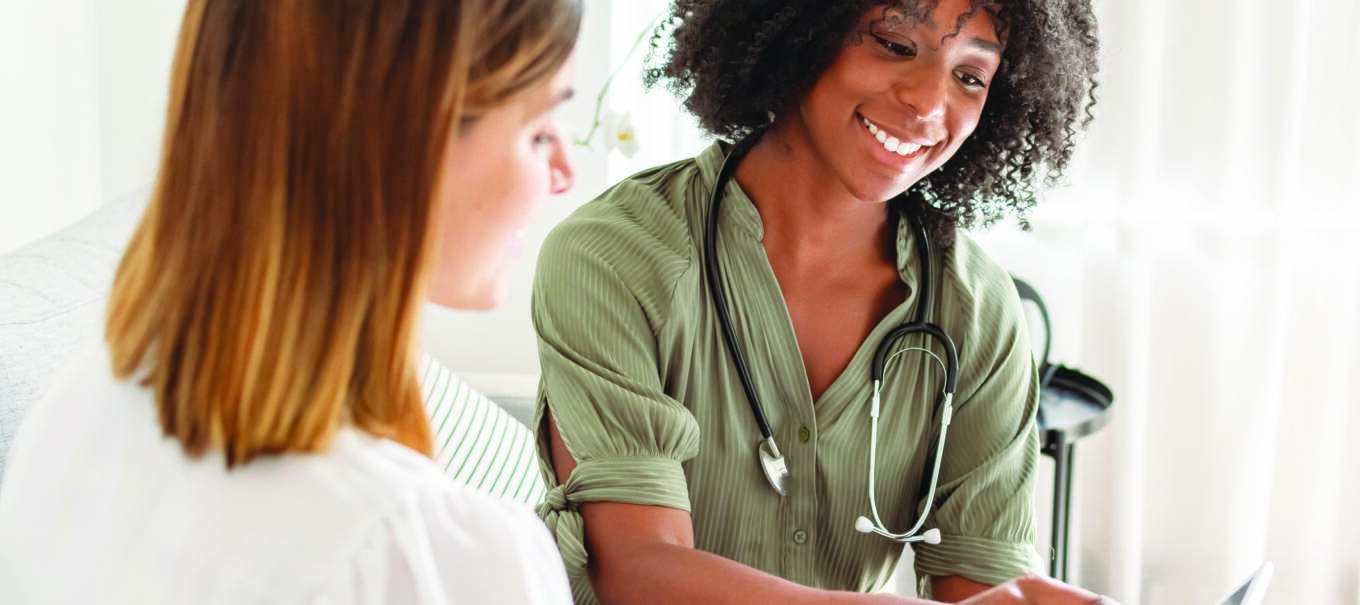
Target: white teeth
(891, 143)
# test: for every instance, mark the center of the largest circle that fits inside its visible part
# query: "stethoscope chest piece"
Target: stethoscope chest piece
(772, 462)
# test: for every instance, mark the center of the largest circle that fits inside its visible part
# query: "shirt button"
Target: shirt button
(800, 536)
(804, 434)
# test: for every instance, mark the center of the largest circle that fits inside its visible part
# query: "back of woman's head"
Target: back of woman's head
(272, 290)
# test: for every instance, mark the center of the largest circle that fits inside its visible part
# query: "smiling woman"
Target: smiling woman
(736, 64)
(863, 120)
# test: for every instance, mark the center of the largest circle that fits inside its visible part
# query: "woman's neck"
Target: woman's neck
(809, 217)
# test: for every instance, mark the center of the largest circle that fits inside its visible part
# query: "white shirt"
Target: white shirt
(98, 506)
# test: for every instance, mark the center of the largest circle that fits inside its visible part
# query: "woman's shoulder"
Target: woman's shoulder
(294, 523)
(441, 536)
(408, 485)
(393, 474)
(978, 282)
(649, 206)
(643, 229)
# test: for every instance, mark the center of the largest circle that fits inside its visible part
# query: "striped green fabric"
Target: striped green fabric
(476, 441)
(645, 395)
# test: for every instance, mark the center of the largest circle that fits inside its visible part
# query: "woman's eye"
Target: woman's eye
(544, 138)
(971, 80)
(894, 47)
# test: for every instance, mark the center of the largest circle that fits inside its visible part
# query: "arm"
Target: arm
(646, 554)
(953, 589)
(984, 504)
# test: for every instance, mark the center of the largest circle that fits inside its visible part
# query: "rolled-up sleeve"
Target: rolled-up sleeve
(598, 357)
(984, 507)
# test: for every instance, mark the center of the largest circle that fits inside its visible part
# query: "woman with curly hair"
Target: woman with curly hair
(867, 132)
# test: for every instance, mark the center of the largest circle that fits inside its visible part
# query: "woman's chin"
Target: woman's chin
(878, 188)
(473, 298)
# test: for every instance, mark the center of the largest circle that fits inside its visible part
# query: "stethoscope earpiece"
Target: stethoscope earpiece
(932, 536)
(863, 525)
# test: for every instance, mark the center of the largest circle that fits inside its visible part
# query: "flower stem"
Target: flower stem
(599, 99)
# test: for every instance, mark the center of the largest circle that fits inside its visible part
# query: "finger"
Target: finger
(1040, 589)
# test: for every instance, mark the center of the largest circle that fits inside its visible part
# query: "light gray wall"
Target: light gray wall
(136, 42)
(49, 130)
(85, 86)
(90, 109)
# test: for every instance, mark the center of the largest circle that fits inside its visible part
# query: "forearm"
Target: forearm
(666, 573)
(953, 589)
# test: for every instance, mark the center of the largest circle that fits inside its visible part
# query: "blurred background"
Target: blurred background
(1201, 259)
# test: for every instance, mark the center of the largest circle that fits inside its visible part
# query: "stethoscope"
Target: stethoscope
(771, 461)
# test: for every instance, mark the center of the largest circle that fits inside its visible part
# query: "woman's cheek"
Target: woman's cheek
(533, 180)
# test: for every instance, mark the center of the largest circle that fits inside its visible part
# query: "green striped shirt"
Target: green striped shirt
(647, 399)
(475, 441)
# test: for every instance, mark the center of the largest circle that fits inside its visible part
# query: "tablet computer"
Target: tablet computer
(1254, 590)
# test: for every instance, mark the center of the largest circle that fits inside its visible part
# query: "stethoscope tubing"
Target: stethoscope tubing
(904, 330)
(921, 324)
(719, 294)
(924, 310)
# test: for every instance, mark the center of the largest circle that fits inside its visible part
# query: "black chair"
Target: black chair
(1072, 405)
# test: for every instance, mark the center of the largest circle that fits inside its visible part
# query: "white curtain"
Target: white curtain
(1204, 264)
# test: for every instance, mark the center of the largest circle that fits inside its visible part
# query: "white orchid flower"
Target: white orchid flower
(619, 133)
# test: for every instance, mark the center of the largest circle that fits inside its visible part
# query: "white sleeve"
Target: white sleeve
(454, 546)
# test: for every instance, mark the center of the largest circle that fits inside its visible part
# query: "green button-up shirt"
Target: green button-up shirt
(647, 399)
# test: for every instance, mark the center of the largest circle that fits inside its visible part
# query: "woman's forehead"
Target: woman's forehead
(905, 13)
(927, 13)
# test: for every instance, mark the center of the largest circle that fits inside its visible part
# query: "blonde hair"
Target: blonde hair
(271, 292)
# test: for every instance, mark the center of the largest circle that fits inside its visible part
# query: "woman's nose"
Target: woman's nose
(925, 93)
(562, 176)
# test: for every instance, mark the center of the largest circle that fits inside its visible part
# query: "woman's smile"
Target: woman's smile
(892, 147)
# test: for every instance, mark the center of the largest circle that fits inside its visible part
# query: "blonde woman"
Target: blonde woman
(254, 431)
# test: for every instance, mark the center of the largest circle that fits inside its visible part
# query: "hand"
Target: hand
(1034, 589)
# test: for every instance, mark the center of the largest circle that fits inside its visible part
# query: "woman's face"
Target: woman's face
(900, 98)
(494, 177)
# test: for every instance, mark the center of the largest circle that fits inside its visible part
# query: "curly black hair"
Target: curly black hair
(738, 62)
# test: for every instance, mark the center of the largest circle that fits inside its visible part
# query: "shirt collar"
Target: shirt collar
(908, 263)
(739, 211)
(737, 208)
